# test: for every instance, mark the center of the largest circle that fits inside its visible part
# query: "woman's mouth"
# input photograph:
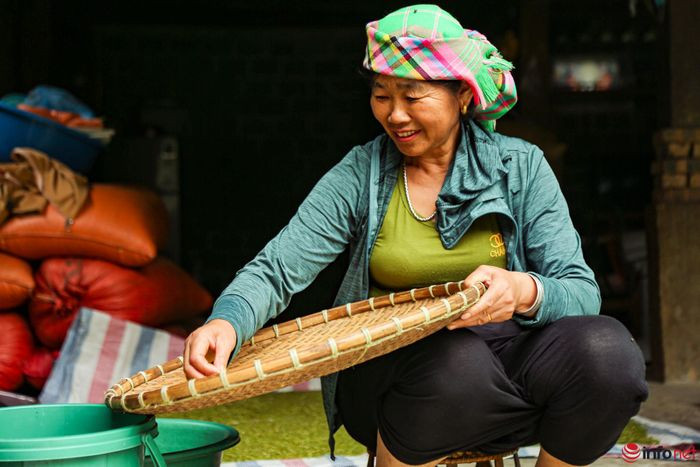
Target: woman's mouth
(405, 136)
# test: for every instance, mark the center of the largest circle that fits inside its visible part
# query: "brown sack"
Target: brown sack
(119, 224)
(16, 281)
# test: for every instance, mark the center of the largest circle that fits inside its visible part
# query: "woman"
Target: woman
(438, 198)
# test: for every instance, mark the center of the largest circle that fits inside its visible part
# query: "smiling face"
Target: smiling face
(421, 118)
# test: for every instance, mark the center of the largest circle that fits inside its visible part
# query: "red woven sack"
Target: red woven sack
(119, 224)
(159, 294)
(16, 346)
(16, 281)
(37, 368)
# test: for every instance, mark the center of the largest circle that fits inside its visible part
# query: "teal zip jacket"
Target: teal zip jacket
(491, 173)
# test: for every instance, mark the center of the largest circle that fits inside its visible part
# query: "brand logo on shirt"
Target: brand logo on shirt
(498, 248)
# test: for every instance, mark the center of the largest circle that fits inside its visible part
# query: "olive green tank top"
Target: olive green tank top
(408, 253)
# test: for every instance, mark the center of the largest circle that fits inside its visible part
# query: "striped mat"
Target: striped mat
(100, 350)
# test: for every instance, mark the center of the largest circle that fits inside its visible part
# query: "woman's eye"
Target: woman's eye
(412, 99)
(381, 98)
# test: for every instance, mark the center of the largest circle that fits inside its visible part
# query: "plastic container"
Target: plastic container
(20, 128)
(192, 442)
(75, 435)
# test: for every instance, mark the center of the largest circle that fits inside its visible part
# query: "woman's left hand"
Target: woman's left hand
(508, 292)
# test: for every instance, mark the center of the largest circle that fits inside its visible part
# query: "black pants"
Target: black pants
(572, 386)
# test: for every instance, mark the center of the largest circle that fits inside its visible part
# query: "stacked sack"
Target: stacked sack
(16, 345)
(92, 246)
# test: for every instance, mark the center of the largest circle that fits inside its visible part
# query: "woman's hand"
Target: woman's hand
(217, 337)
(508, 292)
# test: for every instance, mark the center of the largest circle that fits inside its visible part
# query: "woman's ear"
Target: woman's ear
(465, 94)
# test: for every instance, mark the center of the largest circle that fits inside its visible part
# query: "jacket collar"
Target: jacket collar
(472, 182)
(477, 165)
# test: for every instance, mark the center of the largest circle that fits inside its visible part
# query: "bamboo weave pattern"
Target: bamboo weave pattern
(300, 349)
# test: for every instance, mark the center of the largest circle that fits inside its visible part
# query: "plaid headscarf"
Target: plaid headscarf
(425, 42)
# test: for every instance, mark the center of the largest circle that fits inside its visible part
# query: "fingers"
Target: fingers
(491, 301)
(495, 305)
(484, 311)
(190, 371)
(478, 320)
(482, 274)
(199, 347)
(213, 341)
(223, 350)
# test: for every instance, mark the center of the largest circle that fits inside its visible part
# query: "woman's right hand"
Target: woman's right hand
(216, 337)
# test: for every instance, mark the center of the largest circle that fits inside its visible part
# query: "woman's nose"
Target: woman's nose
(398, 115)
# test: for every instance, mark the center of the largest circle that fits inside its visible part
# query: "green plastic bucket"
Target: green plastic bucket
(75, 435)
(193, 442)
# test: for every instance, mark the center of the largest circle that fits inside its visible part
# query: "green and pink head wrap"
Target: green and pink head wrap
(425, 42)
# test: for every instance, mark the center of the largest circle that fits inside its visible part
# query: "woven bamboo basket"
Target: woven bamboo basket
(298, 350)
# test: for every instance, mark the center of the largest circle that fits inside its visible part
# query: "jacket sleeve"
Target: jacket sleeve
(319, 231)
(553, 249)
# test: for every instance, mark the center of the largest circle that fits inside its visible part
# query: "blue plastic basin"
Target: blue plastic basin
(19, 128)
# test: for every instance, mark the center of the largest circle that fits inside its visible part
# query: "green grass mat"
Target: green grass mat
(292, 425)
(636, 433)
(284, 425)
